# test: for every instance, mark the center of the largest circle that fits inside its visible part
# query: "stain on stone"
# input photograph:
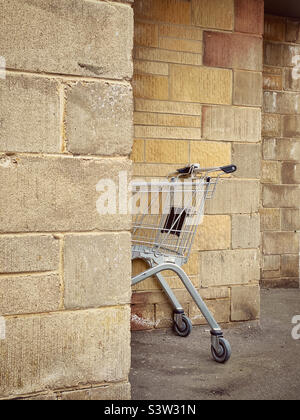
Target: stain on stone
(93, 69)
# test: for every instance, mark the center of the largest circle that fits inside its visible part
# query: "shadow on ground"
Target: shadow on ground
(265, 361)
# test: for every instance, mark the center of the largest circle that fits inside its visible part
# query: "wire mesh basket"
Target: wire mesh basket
(166, 214)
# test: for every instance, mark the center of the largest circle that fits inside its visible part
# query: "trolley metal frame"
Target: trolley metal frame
(164, 239)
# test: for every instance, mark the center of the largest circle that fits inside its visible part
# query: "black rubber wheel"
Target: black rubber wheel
(225, 351)
(186, 328)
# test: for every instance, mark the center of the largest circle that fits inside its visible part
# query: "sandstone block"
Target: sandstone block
(65, 349)
(99, 119)
(234, 196)
(229, 267)
(269, 219)
(97, 36)
(245, 231)
(291, 126)
(247, 88)
(247, 158)
(167, 151)
(245, 303)
(171, 11)
(271, 262)
(167, 56)
(290, 219)
(281, 196)
(249, 16)
(200, 84)
(29, 294)
(219, 308)
(210, 154)
(167, 107)
(290, 173)
(292, 31)
(231, 124)
(217, 14)
(97, 270)
(280, 242)
(150, 86)
(145, 34)
(58, 194)
(271, 125)
(282, 102)
(27, 102)
(271, 172)
(214, 233)
(290, 265)
(274, 29)
(142, 317)
(232, 51)
(281, 149)
(28, 253)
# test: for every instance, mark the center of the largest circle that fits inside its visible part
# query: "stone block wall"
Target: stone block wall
(198, 98)
(280, 216)
(65, 124)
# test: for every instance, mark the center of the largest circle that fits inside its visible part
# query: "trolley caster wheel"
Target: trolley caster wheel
(224, 352)
(186, 326)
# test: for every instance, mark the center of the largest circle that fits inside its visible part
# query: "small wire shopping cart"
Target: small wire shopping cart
(166, 215)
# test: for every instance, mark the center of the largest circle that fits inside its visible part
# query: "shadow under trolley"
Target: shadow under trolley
(166, 215)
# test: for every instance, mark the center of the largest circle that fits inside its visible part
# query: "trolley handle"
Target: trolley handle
(195, 168)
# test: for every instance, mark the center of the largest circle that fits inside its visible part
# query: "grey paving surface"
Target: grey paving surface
(265, 361)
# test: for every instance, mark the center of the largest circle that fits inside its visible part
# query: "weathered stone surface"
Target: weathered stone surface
(219, 308)
(280, 242)
(138, 150)
(231, 123)
(232, 51)
(28, 253)
(181, 45)
(65, 349)
(210, 154)
(160, 132)
(29, 294)
(166, 56)
(99, 119)
(97, 37)
(282, 102)
(291, 126)
(271, 262)
(271, 125)
(142, 317)
(145, 34)
(290, 173)
(229, 267)
(181, 32)
(274, 29)
(150, 86)
(249, 16)
(57, 194)
(290, 81)
(271, 172)
(245, 303)
(167, 120)
(167, 151)
(292, 31)
(245, 231)
(214, 233)
(272, 78)
(97, 270)
(247, 88)
(269, 219)
(273, 54)
(29, 114)
(200, 84)
(290, 55)
(234, 196)
(290, 219)
(281, 149)
(172, 11)
(107, 392)
(290, 265)
(167, 107)
(217, 14)
(281, 196)
(151, 67)
(247, 158)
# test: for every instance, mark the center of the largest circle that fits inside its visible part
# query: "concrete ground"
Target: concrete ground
(265, 361)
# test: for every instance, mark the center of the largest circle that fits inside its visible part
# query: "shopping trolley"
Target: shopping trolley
(165, 219)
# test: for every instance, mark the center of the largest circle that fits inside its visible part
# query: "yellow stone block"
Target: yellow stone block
(137, 154)
(167, 151)
(146, 118)
(181, 45)
(200, 84)
(182, 32)
(153, 170)
(151, 67)
(145, 34)
(209, 153)
(167, 107)
(150, 86)
(167, 56)
(214, 233)
(217, 14)
(167, 132)
(170, 11)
